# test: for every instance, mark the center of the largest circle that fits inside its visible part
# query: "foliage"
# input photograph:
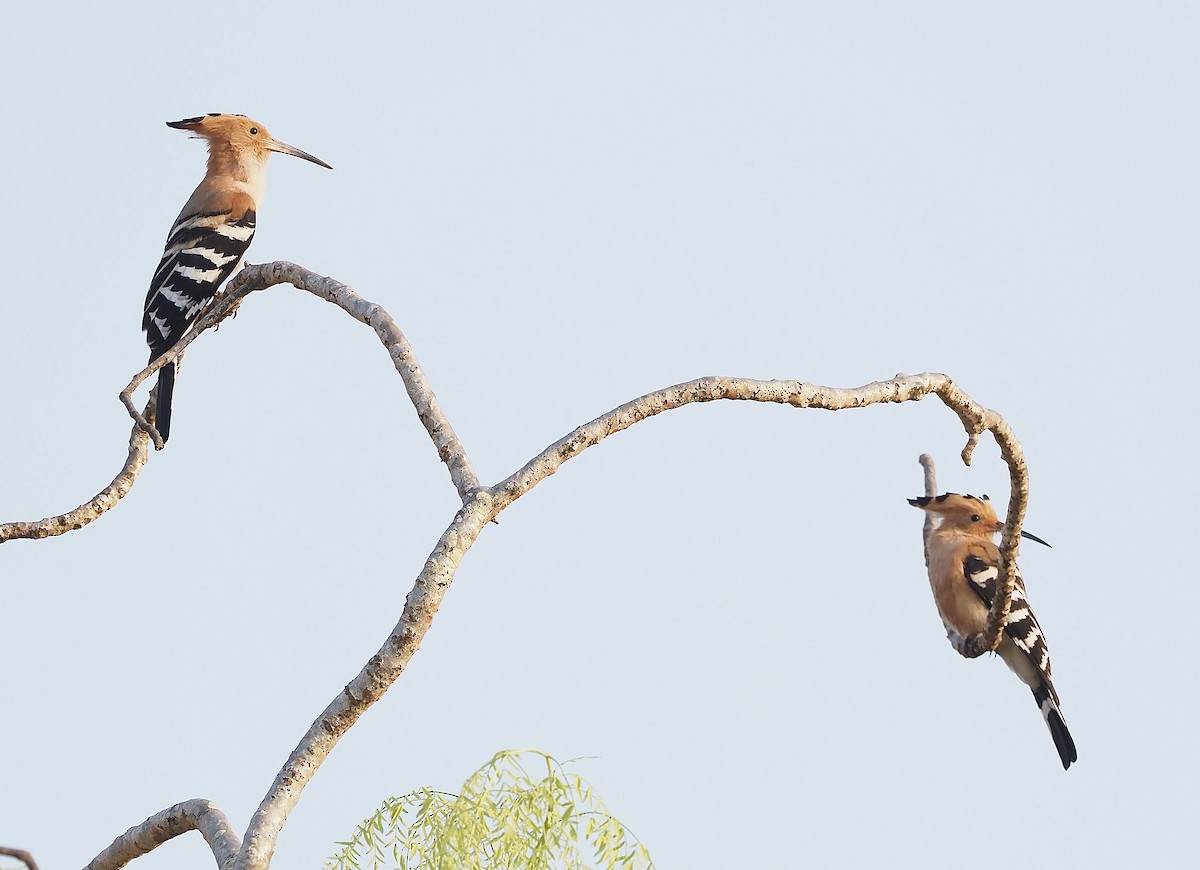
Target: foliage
(504, 817)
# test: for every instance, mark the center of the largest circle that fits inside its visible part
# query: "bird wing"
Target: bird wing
(982, 570)
(202, 251)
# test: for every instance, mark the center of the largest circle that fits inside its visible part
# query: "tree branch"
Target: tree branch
(481, 505)
(903, 388)
(376, 676)
(139, 448)
(486, 504)
(976, 420)
(930, 475)
(21, 855)
(429, 410)
(194, 815)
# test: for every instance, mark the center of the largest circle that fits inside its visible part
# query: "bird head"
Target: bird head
(966, 514)
(239, 137)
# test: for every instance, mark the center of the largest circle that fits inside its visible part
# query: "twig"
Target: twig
(930, 474)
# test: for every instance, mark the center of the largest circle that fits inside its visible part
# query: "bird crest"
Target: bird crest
(966, 513)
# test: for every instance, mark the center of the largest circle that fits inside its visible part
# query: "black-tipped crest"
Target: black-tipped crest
(925, 501)
(187, 123)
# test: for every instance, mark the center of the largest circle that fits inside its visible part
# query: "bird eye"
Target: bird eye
(253, 131)
(974, 518)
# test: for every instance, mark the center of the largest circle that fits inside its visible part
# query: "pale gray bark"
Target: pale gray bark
(21, 855)
(194, 815)
(480, 505)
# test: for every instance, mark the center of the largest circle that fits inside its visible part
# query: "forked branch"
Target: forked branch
(432, 583)
(480, 505)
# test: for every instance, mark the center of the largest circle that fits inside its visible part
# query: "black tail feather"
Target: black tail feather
(1063, 741)
(162, 408)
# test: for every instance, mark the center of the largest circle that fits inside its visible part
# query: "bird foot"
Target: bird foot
(219, 297)
(970, 647)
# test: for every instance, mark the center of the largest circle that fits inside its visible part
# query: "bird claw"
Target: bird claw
(970, 647)
(219, 297)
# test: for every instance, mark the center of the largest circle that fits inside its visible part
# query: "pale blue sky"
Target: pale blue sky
(565, 206)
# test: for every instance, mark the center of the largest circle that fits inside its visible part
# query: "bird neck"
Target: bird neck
(238, 168)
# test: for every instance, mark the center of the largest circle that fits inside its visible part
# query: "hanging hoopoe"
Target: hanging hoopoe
(964, 564)
(209, 237)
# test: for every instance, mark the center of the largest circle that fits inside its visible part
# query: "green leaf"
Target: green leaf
(505, 817)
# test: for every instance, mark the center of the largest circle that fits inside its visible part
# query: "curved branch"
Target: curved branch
(194, 815)
(139, 450)
(480, 506)
(486, 504)
(903, 388)
(976, 420)
(21, 855)
(429, 410)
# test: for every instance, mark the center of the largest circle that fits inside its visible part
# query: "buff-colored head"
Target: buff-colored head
(238, 138)
(965, 514)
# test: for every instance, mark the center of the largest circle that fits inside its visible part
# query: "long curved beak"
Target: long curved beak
(1025, 534)
(285, 148)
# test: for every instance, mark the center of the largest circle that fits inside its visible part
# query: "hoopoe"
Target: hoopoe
(209, 237)
(963, 569)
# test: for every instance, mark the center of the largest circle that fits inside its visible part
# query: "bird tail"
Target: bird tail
(1054, 721)
(162, 408)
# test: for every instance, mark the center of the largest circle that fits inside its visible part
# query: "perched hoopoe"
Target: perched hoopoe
(209, 237)
(963, 569)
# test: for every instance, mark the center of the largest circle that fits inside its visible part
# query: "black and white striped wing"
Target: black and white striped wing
(1022, 626)
(202, 251)
(1028, 641)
